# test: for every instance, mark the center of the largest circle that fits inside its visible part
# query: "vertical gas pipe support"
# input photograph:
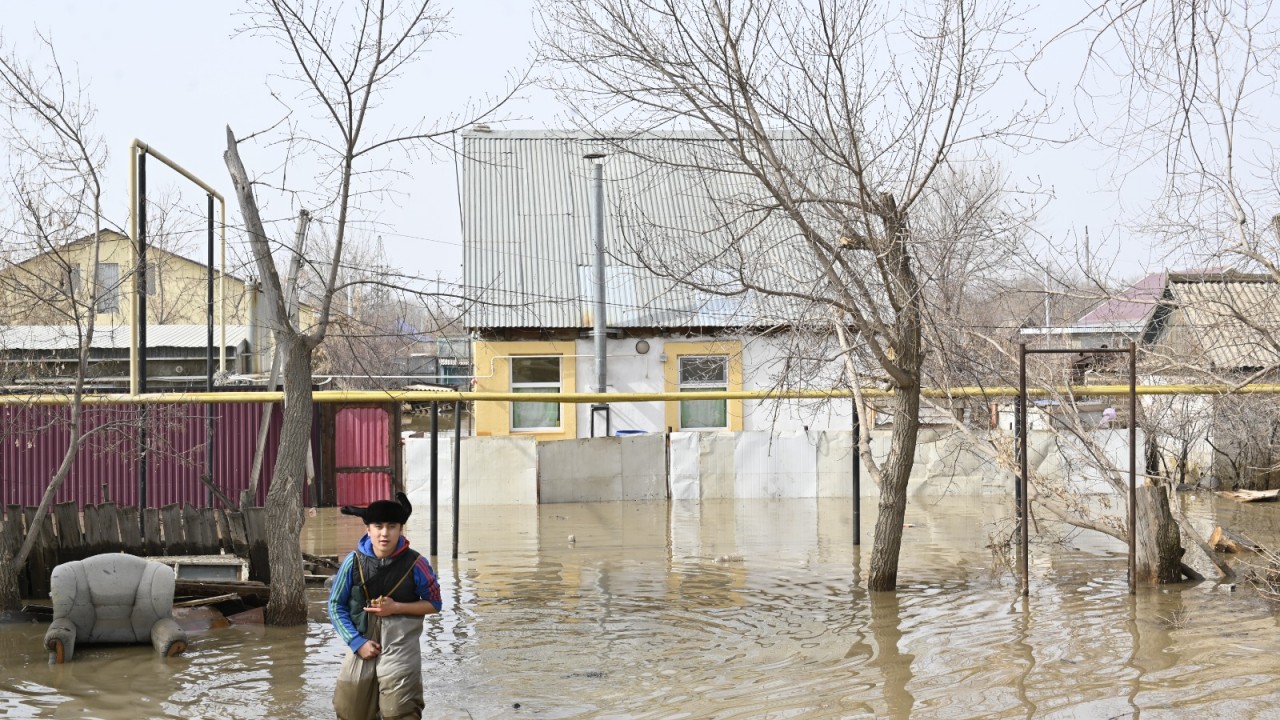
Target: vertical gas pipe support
(1133, 458)
(140, 372)
(1024, 486)
(208, 362)
(857, 473)
(457, 471)
(435, 474)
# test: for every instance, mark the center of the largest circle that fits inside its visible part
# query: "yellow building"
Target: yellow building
(41, 328)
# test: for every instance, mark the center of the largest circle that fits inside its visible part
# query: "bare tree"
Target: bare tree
(55, 191)
(344, 61)
(829, 129)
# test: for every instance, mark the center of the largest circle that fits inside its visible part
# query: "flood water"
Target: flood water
(747, 609)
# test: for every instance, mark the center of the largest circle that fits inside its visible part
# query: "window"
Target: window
(704, 373)
(107, 284)
(535, 374)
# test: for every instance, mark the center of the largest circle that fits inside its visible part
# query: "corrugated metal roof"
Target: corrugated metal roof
(1130, 310)
(65, 337)
(1225, 319)
(527, 233)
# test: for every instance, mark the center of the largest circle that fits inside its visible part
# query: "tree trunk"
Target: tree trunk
(288, 605)
(883, 574)
(1159, 546)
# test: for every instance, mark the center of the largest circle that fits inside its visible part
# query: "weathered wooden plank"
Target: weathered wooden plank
(239, 536)
(70, 536)
(110, 520)
(130, 533)
(153, 532)
(18, 520)
(224, 530)
(44, 554)
(206, 542)
(92, 531)
(191, 524)
(1251, 495)
(255, 525)
(175, 535)
(11, 536)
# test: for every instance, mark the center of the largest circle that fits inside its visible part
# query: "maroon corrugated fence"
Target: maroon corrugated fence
(362, 455)
(33, 441)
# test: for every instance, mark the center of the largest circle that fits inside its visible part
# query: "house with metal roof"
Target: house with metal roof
(41, 332)
(675, 320)
(1225, 323)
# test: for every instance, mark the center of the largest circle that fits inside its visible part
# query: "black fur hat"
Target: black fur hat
(382, 511)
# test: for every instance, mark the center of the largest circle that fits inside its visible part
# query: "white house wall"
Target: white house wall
(630, 371)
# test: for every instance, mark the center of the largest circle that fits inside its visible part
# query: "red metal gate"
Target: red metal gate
(366, 443)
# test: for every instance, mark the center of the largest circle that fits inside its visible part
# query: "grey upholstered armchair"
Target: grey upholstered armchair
(112, 598)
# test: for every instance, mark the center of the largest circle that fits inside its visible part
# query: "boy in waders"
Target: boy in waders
(377, 602)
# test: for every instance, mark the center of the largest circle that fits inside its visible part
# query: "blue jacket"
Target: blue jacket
(340, 595)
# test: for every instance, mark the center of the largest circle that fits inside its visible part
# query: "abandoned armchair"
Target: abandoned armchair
(112, 598)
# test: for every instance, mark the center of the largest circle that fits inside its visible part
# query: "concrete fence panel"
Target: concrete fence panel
(495, 470)
(603, 469)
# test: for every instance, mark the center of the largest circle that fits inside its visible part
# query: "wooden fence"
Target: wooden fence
(67, 534)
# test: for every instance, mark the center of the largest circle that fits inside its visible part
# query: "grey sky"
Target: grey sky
(173, 75)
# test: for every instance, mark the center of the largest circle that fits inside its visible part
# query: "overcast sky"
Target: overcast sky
(174, 74)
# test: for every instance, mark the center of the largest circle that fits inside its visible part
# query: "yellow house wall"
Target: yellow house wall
(180, 298)
(493, 374)
(671, 371)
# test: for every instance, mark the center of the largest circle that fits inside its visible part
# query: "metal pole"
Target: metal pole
(457, 471)
(141, 321)
(599, 330)
(1023, 488)
(857, 474)
(435, 472)
(208, 363)
(1133, 473)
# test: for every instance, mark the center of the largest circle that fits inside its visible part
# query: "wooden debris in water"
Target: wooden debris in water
(1251, 495)
(1227, 541)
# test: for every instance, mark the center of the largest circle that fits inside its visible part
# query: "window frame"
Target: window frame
(696, 386)
(106, 292)
(556, 387)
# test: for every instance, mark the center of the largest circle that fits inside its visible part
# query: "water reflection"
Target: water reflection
(727, 610)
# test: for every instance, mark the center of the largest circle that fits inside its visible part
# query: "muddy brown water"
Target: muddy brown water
(747, 609)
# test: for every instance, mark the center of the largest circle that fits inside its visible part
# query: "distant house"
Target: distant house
(1220, 322)
(1217, 321)
(528, 265)
(40, 340)
(1110, 323)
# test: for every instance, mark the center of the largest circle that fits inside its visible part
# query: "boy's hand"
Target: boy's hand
(382, 607)
(369, 650)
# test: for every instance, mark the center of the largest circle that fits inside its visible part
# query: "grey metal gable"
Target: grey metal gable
(528, 247)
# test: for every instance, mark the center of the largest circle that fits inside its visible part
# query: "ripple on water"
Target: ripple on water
(725, 610)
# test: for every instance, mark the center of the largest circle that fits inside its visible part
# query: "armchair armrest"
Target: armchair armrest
(167, 638)
(60, 639)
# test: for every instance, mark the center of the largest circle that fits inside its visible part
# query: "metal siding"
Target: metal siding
(66, 337)
(363, 488)
(526, 230)
(33, 441)
(1208, 326)
(361, 437)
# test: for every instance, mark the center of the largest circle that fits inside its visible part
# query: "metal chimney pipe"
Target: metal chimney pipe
(597, 228)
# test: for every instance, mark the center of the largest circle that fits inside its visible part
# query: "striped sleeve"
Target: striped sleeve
(340, 605)
(428, 586)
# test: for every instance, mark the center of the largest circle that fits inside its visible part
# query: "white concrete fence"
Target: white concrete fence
(519, 470)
